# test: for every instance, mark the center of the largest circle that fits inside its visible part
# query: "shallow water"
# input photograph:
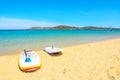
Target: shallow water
(13, 40)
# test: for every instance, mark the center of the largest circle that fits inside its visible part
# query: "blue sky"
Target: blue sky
(26, 13)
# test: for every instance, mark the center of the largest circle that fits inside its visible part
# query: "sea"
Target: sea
(14, 40)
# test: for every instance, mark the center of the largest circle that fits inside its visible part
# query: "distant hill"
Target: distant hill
(65, 27)
(97, 28)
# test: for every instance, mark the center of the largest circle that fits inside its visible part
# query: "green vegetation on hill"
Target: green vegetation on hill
(65, 27)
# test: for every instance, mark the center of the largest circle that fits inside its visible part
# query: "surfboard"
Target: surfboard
(29, 61)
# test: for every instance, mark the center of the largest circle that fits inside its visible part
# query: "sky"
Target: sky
(20, 14)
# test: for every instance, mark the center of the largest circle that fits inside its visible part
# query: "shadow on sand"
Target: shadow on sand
(55, 54)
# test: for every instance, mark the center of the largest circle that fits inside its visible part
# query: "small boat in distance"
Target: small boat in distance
(52, 50)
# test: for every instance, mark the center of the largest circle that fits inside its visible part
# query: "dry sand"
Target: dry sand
(92, 61)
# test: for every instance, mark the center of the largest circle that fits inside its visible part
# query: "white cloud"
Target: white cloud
(12, 23)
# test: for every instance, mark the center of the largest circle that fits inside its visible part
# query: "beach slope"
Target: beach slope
(92, 61)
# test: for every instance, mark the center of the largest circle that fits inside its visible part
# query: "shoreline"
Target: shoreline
(97, 60)
(12, 41)
(84, 43)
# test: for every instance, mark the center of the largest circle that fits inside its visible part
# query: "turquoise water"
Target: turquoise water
(13, 40)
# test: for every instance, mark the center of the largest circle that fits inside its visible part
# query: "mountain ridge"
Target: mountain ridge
(65, 27)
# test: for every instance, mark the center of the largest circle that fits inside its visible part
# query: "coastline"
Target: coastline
(63, 46)
(92, 61)
(12, 41)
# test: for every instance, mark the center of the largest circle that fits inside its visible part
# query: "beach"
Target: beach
(91, 61)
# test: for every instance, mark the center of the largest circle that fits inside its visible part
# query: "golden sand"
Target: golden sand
(92, 61)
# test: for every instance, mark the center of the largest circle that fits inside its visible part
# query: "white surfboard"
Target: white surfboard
(29, 61)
